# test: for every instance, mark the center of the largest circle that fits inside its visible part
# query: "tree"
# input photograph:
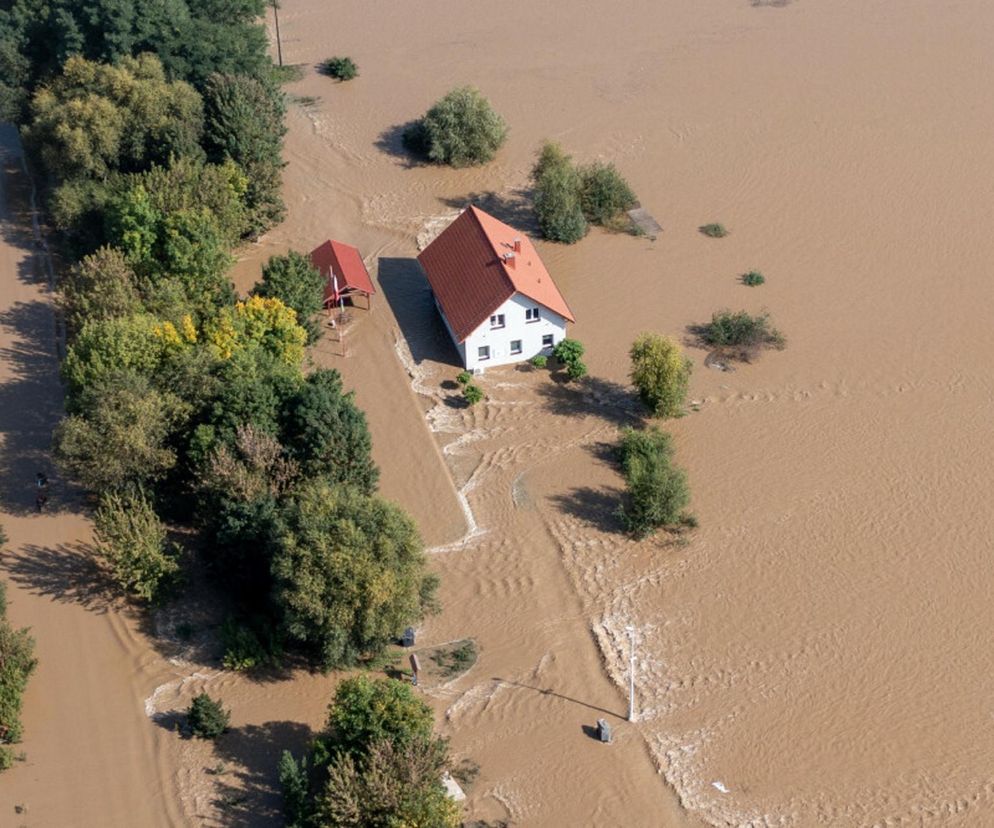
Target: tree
(258, 323)
(120, 435)
(327, 433)
(392, 785)
(604, 193)
(461, 130)
(660, 373)
(349, 572)
(132, 539)
(294, 785)
(295, 281)
(101, 286)
(244, 123)
(94, 119)
(106, 346)
(657, 490)
(207, 717)
(17, 663)
(568, 353)
(557, 196)
(366, 711)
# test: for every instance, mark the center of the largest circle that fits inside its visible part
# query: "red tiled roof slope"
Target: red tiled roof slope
(347, 265)
(471, 279)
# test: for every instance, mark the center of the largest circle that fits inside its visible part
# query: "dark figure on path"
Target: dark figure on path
(40, 501)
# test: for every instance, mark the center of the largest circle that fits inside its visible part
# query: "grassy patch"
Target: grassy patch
(288, 74)
(340, 68)
(455, 658)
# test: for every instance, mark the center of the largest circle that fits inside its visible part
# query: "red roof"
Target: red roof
(346, 263)
(473, 269)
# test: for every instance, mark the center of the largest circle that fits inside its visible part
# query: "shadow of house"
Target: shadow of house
(248, 793)
(514, 208)
(407, 292)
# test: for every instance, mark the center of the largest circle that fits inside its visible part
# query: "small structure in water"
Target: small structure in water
(345, 273)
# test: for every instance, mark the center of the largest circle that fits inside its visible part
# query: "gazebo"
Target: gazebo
(344, 272)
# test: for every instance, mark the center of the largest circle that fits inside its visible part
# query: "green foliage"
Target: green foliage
(17, 663)
(244, 649)
(341, 68)
(260, 324)
(120, 434)
(557, 196)
(243, 121)
(349, 572)
(464, 377)
(207, 718)
(132, 539)
(365, 711)
(101, 286)
(456, 659)
(604, 193)
(753, 278)
(539, 361)
(293, 778)
(657, 490)
(95, 119)
(461, 130)
(741, 334)
(392, 785)
(106, 346)
(472, 393)
(568, 350)
(714, 231)
(327, 435)
(660, 373)
(295, 281)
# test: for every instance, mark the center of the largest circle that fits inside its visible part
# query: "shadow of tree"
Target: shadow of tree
(391, 142)
(514, 207)
(409, 296)
(67, 573)
(591, 396)
(249, 794)
(594, 507)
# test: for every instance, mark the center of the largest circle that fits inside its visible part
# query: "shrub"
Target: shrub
(568, 350)
(557, 196)
(740, 333)
(753, 278)
(461, 130)
(576, 369)
(539, 360)
(657, 490)
(472, 393)
(243, 649)
(207, 718)
(604, 193)
(340, 68)
(660, 373)
(464, 377)
(17, 663)
(132, 539)
(294, 785)
(714, 231)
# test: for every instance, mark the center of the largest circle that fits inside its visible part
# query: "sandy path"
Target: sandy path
(90, 751)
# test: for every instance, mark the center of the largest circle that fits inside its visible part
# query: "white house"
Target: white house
(497, 300)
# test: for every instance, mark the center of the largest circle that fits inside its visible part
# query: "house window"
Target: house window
(515, 346)
(531, 314)
(497, 320)
(483, 352)
(547, 341)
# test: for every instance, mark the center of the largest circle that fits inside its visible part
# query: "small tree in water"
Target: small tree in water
(207, 717)
(461, 130)
(661, 373)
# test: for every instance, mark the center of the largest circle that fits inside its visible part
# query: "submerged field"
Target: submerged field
(815, 654)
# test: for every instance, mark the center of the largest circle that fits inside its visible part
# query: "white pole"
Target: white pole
(631, 672)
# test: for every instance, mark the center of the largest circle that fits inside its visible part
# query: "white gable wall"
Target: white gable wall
(499, 340)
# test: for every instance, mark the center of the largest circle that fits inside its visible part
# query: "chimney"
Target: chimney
(509, 260)
(517, 245)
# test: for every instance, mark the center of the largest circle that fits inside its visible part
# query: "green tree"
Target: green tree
(121, 434)
(106, 346)
(295, 281)
(349, 572)
(461, 130)
(244, 122)
(657, 490)
(391, 785)
(132, 539)
(604, 193)
(558, 196)
(101, 286)
(17, 663)
(207, 717)
(258, 323)
(294, 784)
(327, 433)
(660, 373)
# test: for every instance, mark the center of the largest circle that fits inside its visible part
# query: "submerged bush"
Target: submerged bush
(557, 196)
(753, 278)
(604, 193)
(341, 68)
(207, 717)
(472, 393)
(464, 377)
(741, 333)
(657, 490)
(461, 130)
(539, 360)
(714, 231)
(661, 373)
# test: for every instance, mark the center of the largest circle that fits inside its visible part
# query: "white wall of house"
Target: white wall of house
(514, 338)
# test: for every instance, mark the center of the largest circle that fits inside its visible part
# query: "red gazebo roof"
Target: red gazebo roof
(345, 262)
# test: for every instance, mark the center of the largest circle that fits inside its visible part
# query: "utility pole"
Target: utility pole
(279, 46)
(631, 672)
